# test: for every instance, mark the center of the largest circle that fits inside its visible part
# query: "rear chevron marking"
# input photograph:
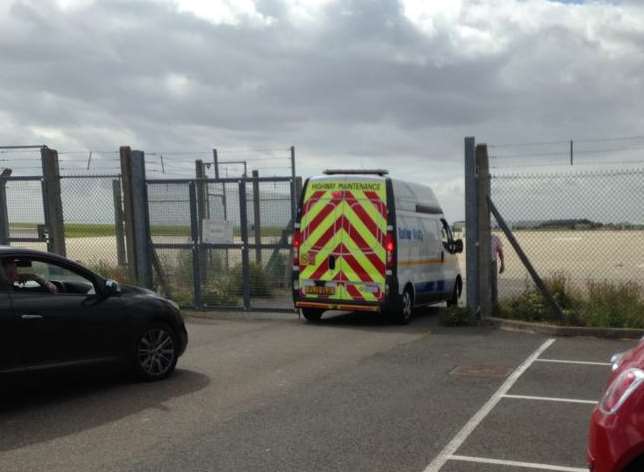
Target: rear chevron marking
(355, 266)
(357, 208)
(351, 226)
(353, 292)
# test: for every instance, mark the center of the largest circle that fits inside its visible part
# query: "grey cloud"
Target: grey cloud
(365, 84)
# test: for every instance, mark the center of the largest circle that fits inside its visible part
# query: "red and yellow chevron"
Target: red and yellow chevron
(344, 222)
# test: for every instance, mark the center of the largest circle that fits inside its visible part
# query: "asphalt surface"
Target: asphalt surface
(349, 394)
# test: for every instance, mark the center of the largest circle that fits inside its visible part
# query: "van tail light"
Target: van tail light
(390, 246)
(620, 389)
(297, 242)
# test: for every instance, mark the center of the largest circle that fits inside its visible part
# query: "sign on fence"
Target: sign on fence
(216, 231)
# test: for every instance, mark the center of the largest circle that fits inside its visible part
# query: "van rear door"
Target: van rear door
(364, 220)
(320, 249)
(343, 228)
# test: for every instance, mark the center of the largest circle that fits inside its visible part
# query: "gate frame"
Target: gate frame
(198, 246)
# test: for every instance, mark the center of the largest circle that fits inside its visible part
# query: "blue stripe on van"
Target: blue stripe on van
(433, 286)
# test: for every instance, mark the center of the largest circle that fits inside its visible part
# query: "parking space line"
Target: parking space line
(526, 465)
(551, 399)
(458, 440)
(561, 361)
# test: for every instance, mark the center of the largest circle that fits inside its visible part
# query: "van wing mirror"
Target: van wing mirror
(458, 246)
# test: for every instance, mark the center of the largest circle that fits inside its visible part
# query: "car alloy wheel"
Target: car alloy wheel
(156, 353)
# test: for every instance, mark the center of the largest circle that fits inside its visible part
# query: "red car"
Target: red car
(616, 441)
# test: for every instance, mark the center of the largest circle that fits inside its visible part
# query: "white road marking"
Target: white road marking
(551, 399)
(527, 465)
(561, 361)
(458, 440)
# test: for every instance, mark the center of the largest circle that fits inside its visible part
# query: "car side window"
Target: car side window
(42, 277)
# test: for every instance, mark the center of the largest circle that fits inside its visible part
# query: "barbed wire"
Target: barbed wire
(546, 143)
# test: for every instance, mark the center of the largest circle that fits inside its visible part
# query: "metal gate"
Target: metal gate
(23, 209)
(224, 243)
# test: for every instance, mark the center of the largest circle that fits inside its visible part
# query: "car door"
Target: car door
(73, 324)
(8, 332)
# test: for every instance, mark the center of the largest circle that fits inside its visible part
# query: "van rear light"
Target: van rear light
(618, 392)
(390, 246)
(297, 238)
(296, 242)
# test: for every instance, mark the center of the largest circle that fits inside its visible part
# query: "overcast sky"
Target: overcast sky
(357, 83)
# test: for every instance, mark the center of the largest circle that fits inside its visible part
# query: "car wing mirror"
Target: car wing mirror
(111, 288)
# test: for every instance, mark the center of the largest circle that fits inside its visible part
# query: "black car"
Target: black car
(56, 313)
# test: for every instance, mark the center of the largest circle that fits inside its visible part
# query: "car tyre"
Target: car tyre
(312, 315)
(156, 352)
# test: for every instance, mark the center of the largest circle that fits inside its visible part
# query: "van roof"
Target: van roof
(348, 178)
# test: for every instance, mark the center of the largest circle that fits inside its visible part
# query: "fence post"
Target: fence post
(298, 190)
(471, 225)
(215, 158)
(118, 223)
(196, 253)
(53, 204)
(243, 219)
(484, 256)
(137, 220)
(256, 219)
(4, 212)
(128, 212)
(556, 309)
(202, 214)
(293, 184)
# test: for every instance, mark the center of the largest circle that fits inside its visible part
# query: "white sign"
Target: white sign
(217, 231)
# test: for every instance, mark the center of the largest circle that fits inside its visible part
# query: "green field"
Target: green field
(81, 230)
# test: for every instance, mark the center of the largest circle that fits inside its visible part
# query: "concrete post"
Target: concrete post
(142, 219)
(53, 203)
(215, 158)
(4, 213)
(196, 257)
(256, 219)
(293, 184)
(128, 212)
(484, 256)
(202, 214)
(243, 219)
(118, 223)
(471, 226)
(137, 220)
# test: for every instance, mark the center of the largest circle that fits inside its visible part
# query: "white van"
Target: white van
(366, 242)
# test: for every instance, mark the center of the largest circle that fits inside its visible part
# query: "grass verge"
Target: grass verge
(603, 304)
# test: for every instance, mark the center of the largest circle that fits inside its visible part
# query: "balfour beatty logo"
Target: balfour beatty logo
(412, 234)
(374, 187)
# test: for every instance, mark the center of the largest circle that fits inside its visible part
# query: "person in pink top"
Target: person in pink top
(496, 250)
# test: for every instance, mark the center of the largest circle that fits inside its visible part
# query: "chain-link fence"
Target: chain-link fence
(223, 243)
(576, 227)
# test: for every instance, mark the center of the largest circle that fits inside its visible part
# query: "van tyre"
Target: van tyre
(312, 315)
(406, 308)
(456, 293)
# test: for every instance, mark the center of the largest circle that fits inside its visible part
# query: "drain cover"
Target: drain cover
(481, 370)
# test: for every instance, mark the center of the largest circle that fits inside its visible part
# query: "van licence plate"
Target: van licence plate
(321, 291)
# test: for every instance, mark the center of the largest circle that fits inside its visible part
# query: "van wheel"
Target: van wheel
(406, 308)
(456, 293)
(311, 314)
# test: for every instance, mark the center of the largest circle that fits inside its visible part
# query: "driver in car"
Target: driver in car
(15, 279)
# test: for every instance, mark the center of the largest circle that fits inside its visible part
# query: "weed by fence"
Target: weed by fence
(599, 304)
